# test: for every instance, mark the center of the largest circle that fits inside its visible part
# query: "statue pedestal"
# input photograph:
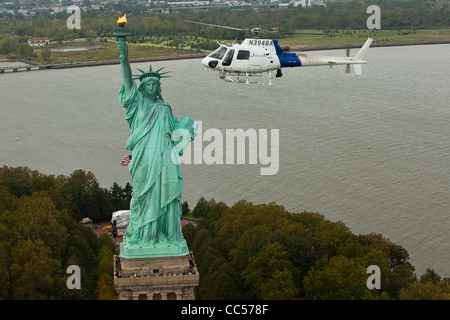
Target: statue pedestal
(158, 278)
(168, 249)
(142, 267)
(165, 271)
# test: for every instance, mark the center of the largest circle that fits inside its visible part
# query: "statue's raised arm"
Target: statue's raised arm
(125, 64)
(123, 52)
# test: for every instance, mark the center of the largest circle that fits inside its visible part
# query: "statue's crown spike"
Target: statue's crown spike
(151, 73)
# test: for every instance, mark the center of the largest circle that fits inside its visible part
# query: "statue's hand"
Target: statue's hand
(123, 49)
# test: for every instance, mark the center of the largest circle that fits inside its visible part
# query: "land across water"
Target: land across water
(382, 44)
(26, 65)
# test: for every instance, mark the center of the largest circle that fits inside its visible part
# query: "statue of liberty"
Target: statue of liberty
(155, 207)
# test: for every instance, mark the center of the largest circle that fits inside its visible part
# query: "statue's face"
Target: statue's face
(151, 86)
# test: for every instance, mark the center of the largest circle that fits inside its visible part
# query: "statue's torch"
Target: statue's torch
(121, 33)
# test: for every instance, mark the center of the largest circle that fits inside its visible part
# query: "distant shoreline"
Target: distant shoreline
(135, 60)
(38, 66)
(373, 45)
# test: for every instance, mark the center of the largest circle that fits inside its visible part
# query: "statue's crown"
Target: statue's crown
(151, 73)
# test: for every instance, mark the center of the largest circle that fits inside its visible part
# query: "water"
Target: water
(57, 121)
(76, 49)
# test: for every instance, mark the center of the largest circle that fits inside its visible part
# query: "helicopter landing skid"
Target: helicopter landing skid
(248, 78)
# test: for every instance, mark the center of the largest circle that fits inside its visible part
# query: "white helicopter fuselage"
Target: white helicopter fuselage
(255, 56)
(252, 56)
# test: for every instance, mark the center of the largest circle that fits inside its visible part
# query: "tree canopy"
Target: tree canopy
(262, 251)
(246, 251)
(40, 236)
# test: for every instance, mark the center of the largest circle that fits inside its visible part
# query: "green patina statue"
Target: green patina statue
(155, 207)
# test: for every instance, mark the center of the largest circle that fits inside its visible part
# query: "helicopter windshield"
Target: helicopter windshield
(219, 53)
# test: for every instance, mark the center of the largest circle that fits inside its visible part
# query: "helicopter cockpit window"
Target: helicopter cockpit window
(219, 53)
(228, 58)
(243, 55)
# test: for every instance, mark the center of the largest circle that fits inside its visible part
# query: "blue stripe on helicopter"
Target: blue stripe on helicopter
(287, 59)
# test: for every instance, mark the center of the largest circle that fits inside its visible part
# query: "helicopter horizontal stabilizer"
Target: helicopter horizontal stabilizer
(334, 62)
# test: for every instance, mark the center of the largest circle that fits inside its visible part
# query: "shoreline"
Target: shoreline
(373, 45)
(37, 66)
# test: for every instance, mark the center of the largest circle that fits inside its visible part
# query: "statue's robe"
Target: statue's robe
(155, 207)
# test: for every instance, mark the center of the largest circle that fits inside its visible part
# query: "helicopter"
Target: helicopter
(255, 57)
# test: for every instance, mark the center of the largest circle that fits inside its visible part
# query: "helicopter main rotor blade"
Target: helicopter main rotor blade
(215, 25)
(310, 33)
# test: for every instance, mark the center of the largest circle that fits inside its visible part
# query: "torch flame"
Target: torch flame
(122, 21)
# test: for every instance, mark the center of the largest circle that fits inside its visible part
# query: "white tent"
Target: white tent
(122, 218)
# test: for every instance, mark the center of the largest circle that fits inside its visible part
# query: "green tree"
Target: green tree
(201, 209)
(82, 250)
(77, 189)
(219, 281)
(25, 51)
(102, 204)
(32, 272)
(5, 263)
(425, 291)
(17, 180)
(105, 270)
(265, 270)
(8, 45)
(228, 229)
(46, 54)
(248, 244)
(8, 202)
(430, 276)
(185, 208)
(340, 279)
(280, 286)
(120, 197)
(36, 218)
(105, 288)
(116, 196)
(189, 232)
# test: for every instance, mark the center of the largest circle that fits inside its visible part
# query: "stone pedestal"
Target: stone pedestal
(158, 278)
(165, 249)
(155, 266)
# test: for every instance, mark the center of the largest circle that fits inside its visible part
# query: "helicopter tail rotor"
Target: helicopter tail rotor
(347, 68)
(355, 66)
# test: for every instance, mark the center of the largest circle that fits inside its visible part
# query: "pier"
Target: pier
(23, 68)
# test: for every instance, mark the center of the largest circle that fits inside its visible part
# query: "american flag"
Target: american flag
(125, 160)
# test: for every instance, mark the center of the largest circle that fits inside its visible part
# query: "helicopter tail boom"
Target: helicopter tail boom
(356, 62)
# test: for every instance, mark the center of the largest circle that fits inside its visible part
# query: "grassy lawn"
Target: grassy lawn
(360, 36)
(108, 51)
